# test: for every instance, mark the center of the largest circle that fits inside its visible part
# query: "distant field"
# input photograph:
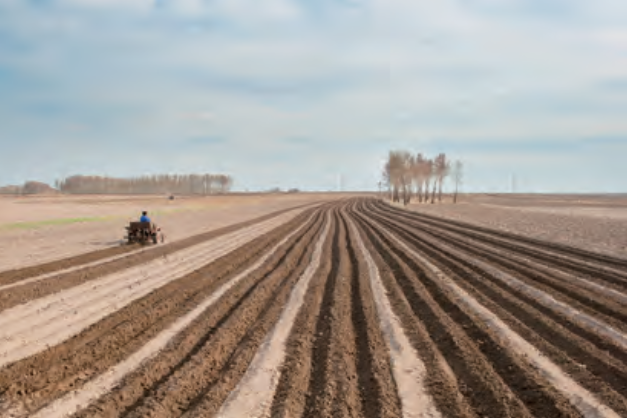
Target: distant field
(595, 222)
(351, 308)
(36, 229)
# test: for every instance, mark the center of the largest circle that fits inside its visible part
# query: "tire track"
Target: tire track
(198, 357)
(594, 363)
(409, 370)
(565, 306)
(107, 381)
(58, 266)
(336, 355)
(452, 335)
(312, 333)
(66, 313)
(568, 258)
(617, 264)
(253, 395)
(606, 315)
(585, 402)
(39, 281)
(109, 341)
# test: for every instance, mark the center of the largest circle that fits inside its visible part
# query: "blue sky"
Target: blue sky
(292, 93)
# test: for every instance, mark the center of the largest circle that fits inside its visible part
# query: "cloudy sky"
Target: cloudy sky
(295, 92)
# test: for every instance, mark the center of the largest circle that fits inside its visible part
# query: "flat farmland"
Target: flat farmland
(332, 307)
(38, 229)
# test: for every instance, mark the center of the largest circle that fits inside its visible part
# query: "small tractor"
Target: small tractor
(143, 233)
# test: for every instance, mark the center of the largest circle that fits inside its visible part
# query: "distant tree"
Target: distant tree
(442, 169)
(458, 176)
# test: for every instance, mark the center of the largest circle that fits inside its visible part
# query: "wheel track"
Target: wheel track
(242, 365)
(373, 363)
(562, 255)
(195, 356)
(408, 368)
(618, 263)
(112, 339)
(77, 308)
(602, 339)
(43, 280)
(583, 400)
(440, 380)
(348, 371)
(594, 303)
(471, 370)
(484, 390)
(301, 368)
(601, 374)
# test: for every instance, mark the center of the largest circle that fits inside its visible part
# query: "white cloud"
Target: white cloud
(452, 71)
(247, 12)
(139, 5)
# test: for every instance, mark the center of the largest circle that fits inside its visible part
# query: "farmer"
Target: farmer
(144, 217)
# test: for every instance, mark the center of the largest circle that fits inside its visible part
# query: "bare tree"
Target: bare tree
(458, 176)
(428, 175)
(406, 161)
(420, 174)
(442, 170)
(394, 172)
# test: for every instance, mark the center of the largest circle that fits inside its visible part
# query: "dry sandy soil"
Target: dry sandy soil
(35, 230)
(351, 308)
(595, 222)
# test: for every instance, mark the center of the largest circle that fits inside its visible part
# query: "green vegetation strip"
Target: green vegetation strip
(49, 222)
(68, 221)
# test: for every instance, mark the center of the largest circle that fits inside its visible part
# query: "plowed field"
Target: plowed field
(344, 309)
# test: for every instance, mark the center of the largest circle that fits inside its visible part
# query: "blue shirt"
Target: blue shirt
(144, 218)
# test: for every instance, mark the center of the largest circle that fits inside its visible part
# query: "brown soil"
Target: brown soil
(337, 360)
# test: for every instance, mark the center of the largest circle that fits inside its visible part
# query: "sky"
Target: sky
(296, 93)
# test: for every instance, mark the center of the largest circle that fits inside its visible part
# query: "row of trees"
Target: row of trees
(202, 184)
(406, 175)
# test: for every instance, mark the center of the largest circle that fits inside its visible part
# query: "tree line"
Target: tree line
(199, 184)
(406, 175)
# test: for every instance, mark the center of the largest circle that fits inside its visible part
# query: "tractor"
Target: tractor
(143, 233)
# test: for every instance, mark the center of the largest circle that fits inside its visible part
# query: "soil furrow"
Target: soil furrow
(585, 402)
(332, 386)
(67, 366)
(214, 394)
(570, 304)
(614, 262)
(594, 369)
(55, 280)
(541, 252)
(379, 393)
(75, 309)
(484, 390)
(307, 346)
(177, 378)
(440, 380)
(409, 370)
(252, 397)
(352, 308)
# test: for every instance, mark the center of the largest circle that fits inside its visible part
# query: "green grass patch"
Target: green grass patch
(68, 221)
(52, 222)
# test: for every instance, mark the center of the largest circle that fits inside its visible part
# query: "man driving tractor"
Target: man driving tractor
(144, 217)
(143, 231)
